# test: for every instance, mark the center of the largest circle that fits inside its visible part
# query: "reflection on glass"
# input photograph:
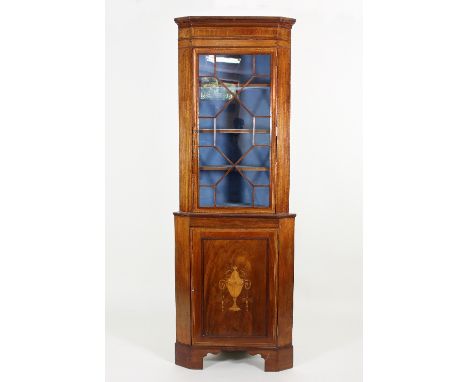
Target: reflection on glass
(234, 145)
(233, 111)
(234, 68)
(205, 66)
(234, 120)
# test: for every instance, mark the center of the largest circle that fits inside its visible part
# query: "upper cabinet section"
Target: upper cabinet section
(234, 31)
(234, 90)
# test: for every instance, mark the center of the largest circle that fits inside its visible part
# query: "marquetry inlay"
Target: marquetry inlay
(235, 282)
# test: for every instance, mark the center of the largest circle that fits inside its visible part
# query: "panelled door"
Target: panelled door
(234, 286)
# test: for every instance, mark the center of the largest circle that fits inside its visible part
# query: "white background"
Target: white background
(142, 189)
(52, 193)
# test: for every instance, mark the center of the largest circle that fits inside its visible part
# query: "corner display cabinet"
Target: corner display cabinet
(234, 235)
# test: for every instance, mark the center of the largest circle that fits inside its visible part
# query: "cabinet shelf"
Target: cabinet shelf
(224, 168)
(239, 86)
(235, 131)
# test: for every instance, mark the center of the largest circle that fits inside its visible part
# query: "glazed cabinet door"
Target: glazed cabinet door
(234, 286)
(234, 130)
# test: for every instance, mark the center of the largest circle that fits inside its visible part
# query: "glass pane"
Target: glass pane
(212, 89)
(209, 156)
(234, 68)
(206, 123)
(256, 100)
(207, 139)
(233, 191)
(262, 139)
(257, 157)
(262, 196)
(257, 178)
(234, 130)
(262, 123)
(262, 70)
(206, 65)
(209, 107)
(234, 116)
(206, 197)
(210, 178)
(262, 64)
(234, 146)
(262, 80)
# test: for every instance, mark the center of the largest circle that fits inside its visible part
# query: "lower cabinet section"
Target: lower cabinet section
(234, 287)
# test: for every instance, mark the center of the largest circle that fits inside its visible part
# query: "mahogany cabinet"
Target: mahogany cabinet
(234, 235)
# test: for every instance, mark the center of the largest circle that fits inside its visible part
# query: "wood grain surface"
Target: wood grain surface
(234, 267)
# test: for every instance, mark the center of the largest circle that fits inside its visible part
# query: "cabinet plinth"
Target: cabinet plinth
(234, 235)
